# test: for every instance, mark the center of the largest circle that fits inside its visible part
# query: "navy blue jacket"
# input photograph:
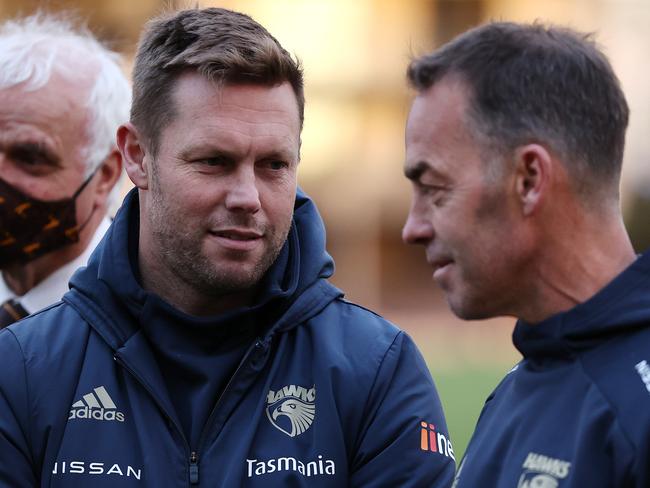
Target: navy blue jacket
(575, 412)
(329, 394)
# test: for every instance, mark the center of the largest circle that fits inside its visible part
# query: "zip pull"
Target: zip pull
(194, 469)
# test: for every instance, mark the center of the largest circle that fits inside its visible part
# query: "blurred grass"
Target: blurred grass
(463, 392)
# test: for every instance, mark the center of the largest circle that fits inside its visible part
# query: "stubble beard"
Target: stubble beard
(480, 299)
(180, 251)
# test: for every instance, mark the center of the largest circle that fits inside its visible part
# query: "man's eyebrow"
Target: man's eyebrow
(280, 153)
(415, 172)
(202, 150)
(213, 150)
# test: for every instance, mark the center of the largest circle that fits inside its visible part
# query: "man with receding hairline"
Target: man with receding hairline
(203, 345)
(514, 145)
(62, 97)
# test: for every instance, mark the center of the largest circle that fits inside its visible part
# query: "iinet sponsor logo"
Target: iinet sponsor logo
(96, 405)
(433, 441)
(543, 471)
(318, 467)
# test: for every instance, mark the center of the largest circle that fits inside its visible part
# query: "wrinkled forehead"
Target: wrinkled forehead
(446, 101)
(437, 118)
(237, 119)
(439, 139)
(60, 100)
(54, 118)
(195, 97)
(250, 98)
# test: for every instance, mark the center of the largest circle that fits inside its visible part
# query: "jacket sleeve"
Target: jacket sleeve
(15, 458)
(405, 441)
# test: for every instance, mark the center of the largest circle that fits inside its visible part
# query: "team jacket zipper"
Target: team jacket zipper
(208, 424)
(192, 454)
(194, 468)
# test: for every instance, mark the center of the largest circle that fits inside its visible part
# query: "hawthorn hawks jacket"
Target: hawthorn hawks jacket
(329, 394)
(576, 411)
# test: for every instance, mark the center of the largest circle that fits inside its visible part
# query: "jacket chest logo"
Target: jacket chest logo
(97, 405)
(291, 409)
(543, 471)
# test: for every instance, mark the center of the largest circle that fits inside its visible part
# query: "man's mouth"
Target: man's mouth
(238, 234)
(238, 239)
(440, 266)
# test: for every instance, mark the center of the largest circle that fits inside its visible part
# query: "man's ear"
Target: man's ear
(109, 174)
(133, 152)
(533, 171)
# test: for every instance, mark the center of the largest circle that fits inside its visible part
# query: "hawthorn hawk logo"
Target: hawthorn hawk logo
(291, 409)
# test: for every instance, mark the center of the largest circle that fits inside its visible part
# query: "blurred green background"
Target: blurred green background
(463, 392)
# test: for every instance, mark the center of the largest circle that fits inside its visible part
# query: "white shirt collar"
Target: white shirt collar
(52, 288)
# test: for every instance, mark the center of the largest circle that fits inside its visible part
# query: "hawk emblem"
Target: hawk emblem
(292, 409)
(540, 481)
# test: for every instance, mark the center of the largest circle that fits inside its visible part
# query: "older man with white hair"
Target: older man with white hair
(62, 97)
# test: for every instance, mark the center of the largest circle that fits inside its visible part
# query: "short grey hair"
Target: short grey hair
(32, 48)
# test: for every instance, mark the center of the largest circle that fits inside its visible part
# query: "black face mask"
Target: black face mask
(30, 227)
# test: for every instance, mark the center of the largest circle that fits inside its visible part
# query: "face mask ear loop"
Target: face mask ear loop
(76, 194)
(85, 222)
(79, 228)
(85, 183)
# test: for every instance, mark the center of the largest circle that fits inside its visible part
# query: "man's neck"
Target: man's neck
(186, 298)
(576, 265)
(22, 278)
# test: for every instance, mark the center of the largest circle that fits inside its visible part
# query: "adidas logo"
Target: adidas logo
(96, 405)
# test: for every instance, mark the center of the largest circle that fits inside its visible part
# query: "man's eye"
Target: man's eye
(428, 189)
(435, 193)
(276, 165)
(25, 156)
(215, 161)
(32, 156)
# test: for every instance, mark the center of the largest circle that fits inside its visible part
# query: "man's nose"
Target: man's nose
(417, 228)
(243, 194)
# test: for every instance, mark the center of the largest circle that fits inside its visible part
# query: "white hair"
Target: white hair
(32, 48)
